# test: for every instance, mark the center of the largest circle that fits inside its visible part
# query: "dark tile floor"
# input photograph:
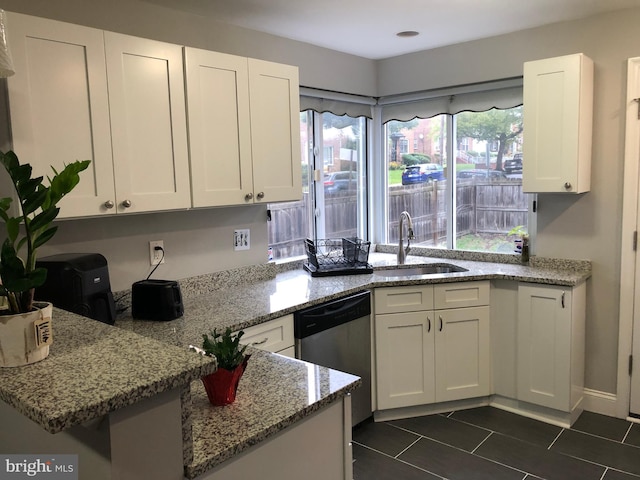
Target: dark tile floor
(489, 443)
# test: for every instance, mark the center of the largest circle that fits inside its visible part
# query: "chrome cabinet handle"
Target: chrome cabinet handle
(248, 196)
(109, 204)
(567, 186)
(441, 322)
(126, 203)
(562, 299)
(261, 342)
(428, 324)
(260, 195)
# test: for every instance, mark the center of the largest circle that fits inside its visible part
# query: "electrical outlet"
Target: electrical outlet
(156, 256)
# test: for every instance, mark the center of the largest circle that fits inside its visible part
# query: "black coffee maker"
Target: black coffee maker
(78, 283)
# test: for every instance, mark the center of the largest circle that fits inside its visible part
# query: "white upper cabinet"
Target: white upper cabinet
(275, 131)
(558, 122)
(148, 124)
(81, 93)
(59, 106)
(243, 129)
(219, 128)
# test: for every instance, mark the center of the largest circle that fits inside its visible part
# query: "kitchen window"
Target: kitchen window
(334, 166)
(455, 184)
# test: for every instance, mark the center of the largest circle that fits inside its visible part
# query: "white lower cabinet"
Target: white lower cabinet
(273, 336)
(551, 345)
(426, 353)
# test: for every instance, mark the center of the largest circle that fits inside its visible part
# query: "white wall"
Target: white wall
(578, 227)
(581, 227)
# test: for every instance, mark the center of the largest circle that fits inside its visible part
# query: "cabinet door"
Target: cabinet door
(219, 128)
(558, 104)
(544, 345)
(462, 346)
(404, 359)
(275, 131)
(148, 124)
(59, 106)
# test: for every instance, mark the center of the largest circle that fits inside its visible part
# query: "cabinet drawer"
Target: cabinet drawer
(272, 336)
(465, 294)
(403, 299)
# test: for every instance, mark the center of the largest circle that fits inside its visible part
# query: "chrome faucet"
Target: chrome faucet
(402, 251)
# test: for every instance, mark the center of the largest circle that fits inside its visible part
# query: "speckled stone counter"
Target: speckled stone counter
(274, 390)
(232, 302)
(273, 394)
(94, 369)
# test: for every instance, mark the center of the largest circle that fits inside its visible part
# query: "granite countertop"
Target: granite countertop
(214, 302)
(227, 300)
(274, 392)
(93, 369)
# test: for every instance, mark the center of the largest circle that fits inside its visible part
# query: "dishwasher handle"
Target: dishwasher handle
(331, 314)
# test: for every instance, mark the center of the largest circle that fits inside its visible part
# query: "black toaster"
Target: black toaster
(156, 300)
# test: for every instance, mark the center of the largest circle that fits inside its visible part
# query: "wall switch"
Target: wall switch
(241, 239)
(156, 255)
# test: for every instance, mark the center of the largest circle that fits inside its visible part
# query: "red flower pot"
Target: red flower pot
(222, 385)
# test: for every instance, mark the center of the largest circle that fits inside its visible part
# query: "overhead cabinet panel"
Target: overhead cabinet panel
(148, 122)
(219, 132)
(558, 119)
(275, 131)
(59, 106)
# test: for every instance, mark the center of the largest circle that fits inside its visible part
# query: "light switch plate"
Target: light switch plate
(242, 239)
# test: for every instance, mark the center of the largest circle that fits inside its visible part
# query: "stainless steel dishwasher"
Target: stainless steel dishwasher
(337, 335)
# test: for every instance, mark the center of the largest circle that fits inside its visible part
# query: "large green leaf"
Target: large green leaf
(44, 237)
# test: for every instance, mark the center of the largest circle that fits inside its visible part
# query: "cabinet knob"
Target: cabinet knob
(109, 204)
(126, 203)
(248, 196)
(260, 195)
(567, 186)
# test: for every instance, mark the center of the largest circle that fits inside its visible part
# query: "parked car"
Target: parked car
(481, 173)
(422, 173)
(514, 164)
(340, 181)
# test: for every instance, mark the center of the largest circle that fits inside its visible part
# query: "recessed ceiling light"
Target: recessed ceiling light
(408, 33)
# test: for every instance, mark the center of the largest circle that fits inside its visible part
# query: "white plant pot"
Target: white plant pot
(25, 337)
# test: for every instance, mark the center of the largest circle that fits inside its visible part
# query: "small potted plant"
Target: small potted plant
(25, 326)
(222, 385)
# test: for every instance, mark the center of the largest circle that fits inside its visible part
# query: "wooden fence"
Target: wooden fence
(482, 206)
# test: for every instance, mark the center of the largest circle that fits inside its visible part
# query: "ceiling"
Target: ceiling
(368, 28)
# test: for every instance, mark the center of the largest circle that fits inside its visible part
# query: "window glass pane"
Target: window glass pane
(418, 178)
(473, 201)
(488, 197)
(334, 205)
(291, 222)
(340, 200)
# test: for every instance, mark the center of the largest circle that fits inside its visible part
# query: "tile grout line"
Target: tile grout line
(473, 452)
(407, 448)
(604, 474)
(555, 439)
(510, 467)
(399, 460)
(628, 432)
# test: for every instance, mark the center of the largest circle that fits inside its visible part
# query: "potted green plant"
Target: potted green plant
(222, 385)
(25, 326)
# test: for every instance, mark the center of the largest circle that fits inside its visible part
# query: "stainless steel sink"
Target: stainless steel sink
(432, 269)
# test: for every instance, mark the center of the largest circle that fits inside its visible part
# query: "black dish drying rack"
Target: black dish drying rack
(340, 256)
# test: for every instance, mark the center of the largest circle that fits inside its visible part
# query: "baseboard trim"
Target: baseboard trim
(603, 403)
